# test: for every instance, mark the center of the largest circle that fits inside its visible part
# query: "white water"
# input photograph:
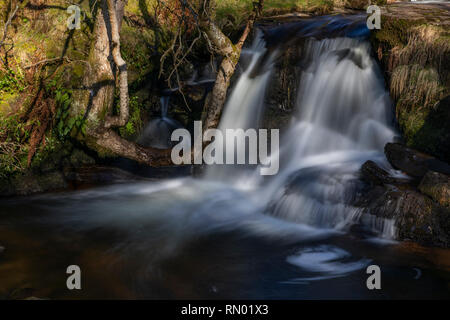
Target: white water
(245, 106)
(344, 118)
(157, 133)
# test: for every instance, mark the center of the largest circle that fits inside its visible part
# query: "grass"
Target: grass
(236, 11)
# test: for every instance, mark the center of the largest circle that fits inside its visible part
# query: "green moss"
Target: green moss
(91, 142)
(394, 32)
(237, 11)
(137, 48)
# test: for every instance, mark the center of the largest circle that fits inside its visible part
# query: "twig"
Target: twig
(8, 22)
(46, 61)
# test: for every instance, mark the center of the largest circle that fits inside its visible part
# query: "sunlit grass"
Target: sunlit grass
(237, 11)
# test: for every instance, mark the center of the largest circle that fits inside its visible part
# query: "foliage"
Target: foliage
(134, 124)
(11, 81)
(12, 148)
(64, 122)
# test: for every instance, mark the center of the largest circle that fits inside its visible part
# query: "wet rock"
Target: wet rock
(413, 162)
(421, 220)
(282, 91)
(437, 186)
(286, 78)
(417, 217)
(373, 174)
(29, 183)
(413, 44)
(97, 175)
(80, 158)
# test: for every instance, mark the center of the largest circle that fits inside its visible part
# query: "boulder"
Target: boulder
(437, 186)
(414, 163)
(413, 44)
(33, 182)
(417, 217)
(98, 175)
(373, 174)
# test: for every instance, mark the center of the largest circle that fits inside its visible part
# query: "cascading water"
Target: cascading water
(246, 103)
(157, 133)
(245, 106)
(344, 118)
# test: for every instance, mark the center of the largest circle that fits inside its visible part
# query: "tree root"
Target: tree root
(111, 142)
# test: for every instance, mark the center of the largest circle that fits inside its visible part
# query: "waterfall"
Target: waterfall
(246, 102)
(164, 106)
(343, 108)
(157, 133)
(245, 106)
(343, 119)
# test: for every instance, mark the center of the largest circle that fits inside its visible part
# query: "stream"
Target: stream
(231, 233)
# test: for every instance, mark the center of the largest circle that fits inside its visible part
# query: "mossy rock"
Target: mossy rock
(437, 186)
(413, 49)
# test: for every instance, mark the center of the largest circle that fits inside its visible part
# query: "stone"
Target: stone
(98, 175)
(437, 186)
(373, 174)
(414, 163)
(417, 217)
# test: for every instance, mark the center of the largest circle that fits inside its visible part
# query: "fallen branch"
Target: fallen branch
(47, 61)
(8, 22)
(5, 32)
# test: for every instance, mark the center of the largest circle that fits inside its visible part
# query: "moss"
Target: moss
(134, 124)
(414, 55)
(394, 32)
(102, 152)
(137, 47)
(235, 12)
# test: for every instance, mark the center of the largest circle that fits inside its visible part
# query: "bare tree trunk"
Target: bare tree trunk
(122, 118)
(109, 142)
(231, 54)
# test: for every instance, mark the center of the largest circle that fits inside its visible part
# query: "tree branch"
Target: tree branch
(122, 118)
(231, 53)
(257, 11)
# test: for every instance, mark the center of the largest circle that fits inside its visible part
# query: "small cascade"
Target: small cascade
(157, 132)
(245, 106)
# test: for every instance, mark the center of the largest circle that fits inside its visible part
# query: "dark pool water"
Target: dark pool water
(127, 248)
